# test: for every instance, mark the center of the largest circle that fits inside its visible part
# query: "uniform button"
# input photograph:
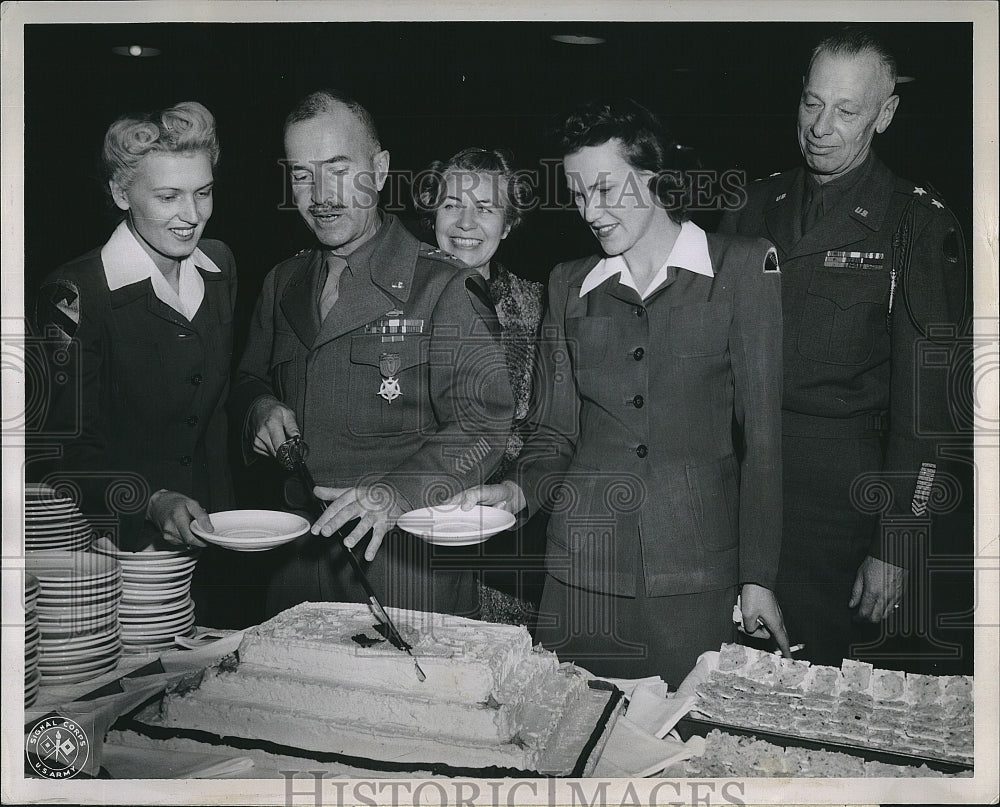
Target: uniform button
(192, 420)
(638, 401)
(638, 353)
(196, 379)
(640, 311)
(641, 451)
(185, 460)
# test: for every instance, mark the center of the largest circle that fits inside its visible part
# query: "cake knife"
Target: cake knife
(291, 455)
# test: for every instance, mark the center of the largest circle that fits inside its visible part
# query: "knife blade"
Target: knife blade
(318, 507)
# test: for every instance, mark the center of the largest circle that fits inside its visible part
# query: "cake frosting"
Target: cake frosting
(321, 677)
(856, 704)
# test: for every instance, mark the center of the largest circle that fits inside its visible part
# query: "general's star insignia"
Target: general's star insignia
(779, 198)
(919, 191)
(936, 203)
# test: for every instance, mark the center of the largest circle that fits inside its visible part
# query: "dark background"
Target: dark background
(728, 90)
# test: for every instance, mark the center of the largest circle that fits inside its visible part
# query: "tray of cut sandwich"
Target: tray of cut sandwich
(884, 716)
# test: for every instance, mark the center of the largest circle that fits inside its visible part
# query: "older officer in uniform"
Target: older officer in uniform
(650, 354)
(381, 352)
(869, 261)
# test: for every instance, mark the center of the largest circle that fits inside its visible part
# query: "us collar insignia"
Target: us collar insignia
(388, 365)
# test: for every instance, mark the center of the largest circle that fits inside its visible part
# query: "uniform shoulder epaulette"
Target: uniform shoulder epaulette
(769, 176)
(434, 253)
(924, 194)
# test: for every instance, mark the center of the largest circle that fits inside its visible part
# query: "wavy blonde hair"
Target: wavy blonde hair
(184, 127)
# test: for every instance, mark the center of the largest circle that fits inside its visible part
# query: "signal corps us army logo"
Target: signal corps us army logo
(57, 748)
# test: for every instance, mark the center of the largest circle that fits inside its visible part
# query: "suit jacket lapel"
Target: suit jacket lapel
(214, 306)
(135, 292)
(298, 303)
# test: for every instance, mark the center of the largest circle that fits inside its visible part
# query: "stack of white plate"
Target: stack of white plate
(77, 612)
(32, 676)
(156, 601)
(52, 521)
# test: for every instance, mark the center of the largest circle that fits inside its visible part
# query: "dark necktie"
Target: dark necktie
(813, 209)
(335, 266)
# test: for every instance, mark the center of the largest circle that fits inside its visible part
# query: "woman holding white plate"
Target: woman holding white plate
(139, 342)
(472, 202)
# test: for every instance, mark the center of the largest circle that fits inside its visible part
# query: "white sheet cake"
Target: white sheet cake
(321, 677)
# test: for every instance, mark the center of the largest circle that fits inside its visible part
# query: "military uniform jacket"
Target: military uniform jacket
(137, 392)
(850, 366)
(632, 439)
(407, 313)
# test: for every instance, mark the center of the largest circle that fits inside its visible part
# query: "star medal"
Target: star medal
(388, 365)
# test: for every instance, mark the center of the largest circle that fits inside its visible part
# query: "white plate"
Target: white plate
(449, 525)
(60, 665)
(72, 628)
(49, 512)
(143, 577)
(136, 596)
(138, 561)
(252, 530)
(165, 633)
(66, 566)
(69, 544)
(87, 641)
(133, 619)
(78, 677)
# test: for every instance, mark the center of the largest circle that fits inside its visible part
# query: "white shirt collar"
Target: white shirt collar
(690, 251)
(126, 262)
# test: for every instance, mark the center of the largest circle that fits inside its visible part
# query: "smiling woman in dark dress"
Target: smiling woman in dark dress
(472, 202)
(140, 337)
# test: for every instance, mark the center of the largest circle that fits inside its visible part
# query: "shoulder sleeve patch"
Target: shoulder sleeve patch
(771, 261)
(57, 312)
(950, 248)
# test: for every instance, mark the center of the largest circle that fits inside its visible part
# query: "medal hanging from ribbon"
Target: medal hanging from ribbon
(388, 365)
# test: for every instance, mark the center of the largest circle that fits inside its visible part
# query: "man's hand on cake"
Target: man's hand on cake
(762, 616)
(507, 496)
(173, 512)
(878, 588)
(272, 424)
(376, 506)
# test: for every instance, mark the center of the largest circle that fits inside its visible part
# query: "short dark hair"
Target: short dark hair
(853, 40)
(515, 186)
(322, 101)
(646, 144)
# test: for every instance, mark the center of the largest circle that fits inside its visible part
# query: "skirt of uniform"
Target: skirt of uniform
(633, 637)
